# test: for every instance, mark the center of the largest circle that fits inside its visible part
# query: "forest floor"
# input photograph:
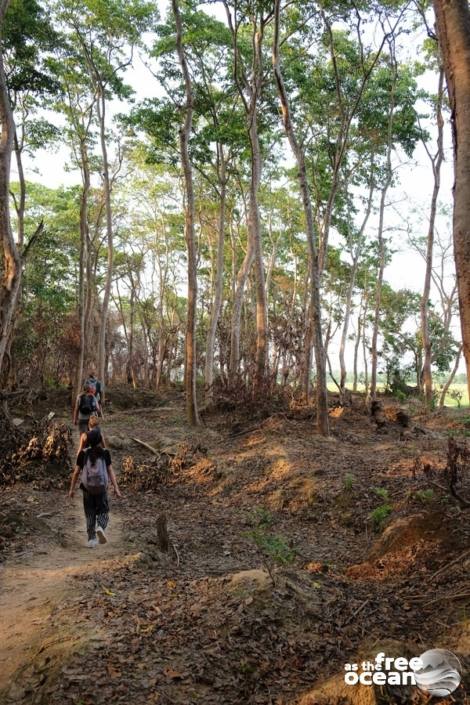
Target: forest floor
(289, 556)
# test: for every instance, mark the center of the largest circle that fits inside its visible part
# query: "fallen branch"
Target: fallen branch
(356, 612)
(176, 553)
(146, 445)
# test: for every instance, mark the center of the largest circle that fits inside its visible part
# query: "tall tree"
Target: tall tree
(249, 82)
(453, 30)
(11, 270)
(312, 235)
(184, 136)
(436, 162)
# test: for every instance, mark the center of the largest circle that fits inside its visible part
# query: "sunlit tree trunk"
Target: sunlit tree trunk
(350, 292)
(250, 88)
(219, 280)
(83, 260)
(101, 106)
(450, 379)
(184, 134)
(380, 238)
(453, 29)
(312, 236)
(436, 161)
(356, 352)
(11, 270)
(235, 327)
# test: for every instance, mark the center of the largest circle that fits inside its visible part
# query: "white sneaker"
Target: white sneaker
(101, 535)
(92, 543)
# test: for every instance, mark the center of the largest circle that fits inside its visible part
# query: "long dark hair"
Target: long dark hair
(94, 453)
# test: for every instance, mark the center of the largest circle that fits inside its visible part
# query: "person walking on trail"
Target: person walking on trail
(93, 380)
(85, 406)
(94, 468)
(93, 425)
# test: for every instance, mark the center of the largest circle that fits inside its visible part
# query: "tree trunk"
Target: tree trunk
(446, 387)
(184, 135)
(436, 161)
(312, 236)
(378, 287)
(235, 325)
(380, 239)
(219, 282)
(82, 286)
(453, 29)
(11, 274)
(252, 87)
(350, 292)
(254, 227)
(356, 352)
(101, 110)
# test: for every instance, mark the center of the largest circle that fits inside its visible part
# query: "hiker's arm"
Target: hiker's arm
(73, 481)
(82, 443)
(114, 483)
(103, 441)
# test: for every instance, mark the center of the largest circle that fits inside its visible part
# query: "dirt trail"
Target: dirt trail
(32, 588)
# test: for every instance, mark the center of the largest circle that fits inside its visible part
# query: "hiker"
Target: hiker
(93, 425)
(92, 379)
(85, 406)
(95, 470)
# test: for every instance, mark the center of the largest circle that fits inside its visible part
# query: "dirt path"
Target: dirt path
(31, 590)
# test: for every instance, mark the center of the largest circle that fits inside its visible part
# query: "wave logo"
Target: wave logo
(437, 672)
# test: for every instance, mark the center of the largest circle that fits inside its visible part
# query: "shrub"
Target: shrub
(379, 515)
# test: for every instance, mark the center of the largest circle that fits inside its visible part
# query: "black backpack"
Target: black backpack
(97, 385)
(87, 405)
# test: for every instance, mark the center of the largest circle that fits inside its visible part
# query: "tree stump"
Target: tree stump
(163, 539)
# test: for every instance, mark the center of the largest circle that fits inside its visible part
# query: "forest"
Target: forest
(238, 229)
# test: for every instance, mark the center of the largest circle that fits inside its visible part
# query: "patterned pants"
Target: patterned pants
(96, 511)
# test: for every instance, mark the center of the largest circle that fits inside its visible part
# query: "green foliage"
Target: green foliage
(381, 492)
(425, 496)
(273, 546)
(262, 517)
(379, 515)
(348, 481)
(457, 395)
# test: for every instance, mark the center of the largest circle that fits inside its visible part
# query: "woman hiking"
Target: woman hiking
(95, 470)
(93, 425)
(85, 406)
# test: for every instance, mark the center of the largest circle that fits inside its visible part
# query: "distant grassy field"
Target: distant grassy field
(450, 401)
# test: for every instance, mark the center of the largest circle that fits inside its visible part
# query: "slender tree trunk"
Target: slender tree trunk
(380, 239)
(312, 236)
(350, 291)
(254, 226)
(436, 161)
(453, 29)
(82, 285)
(356, 352)
(11, 274)
(184, 134)
(447, 385)
(219, 282)
(252, 87)
(235, 326)
(101, 109)
(378, 290)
